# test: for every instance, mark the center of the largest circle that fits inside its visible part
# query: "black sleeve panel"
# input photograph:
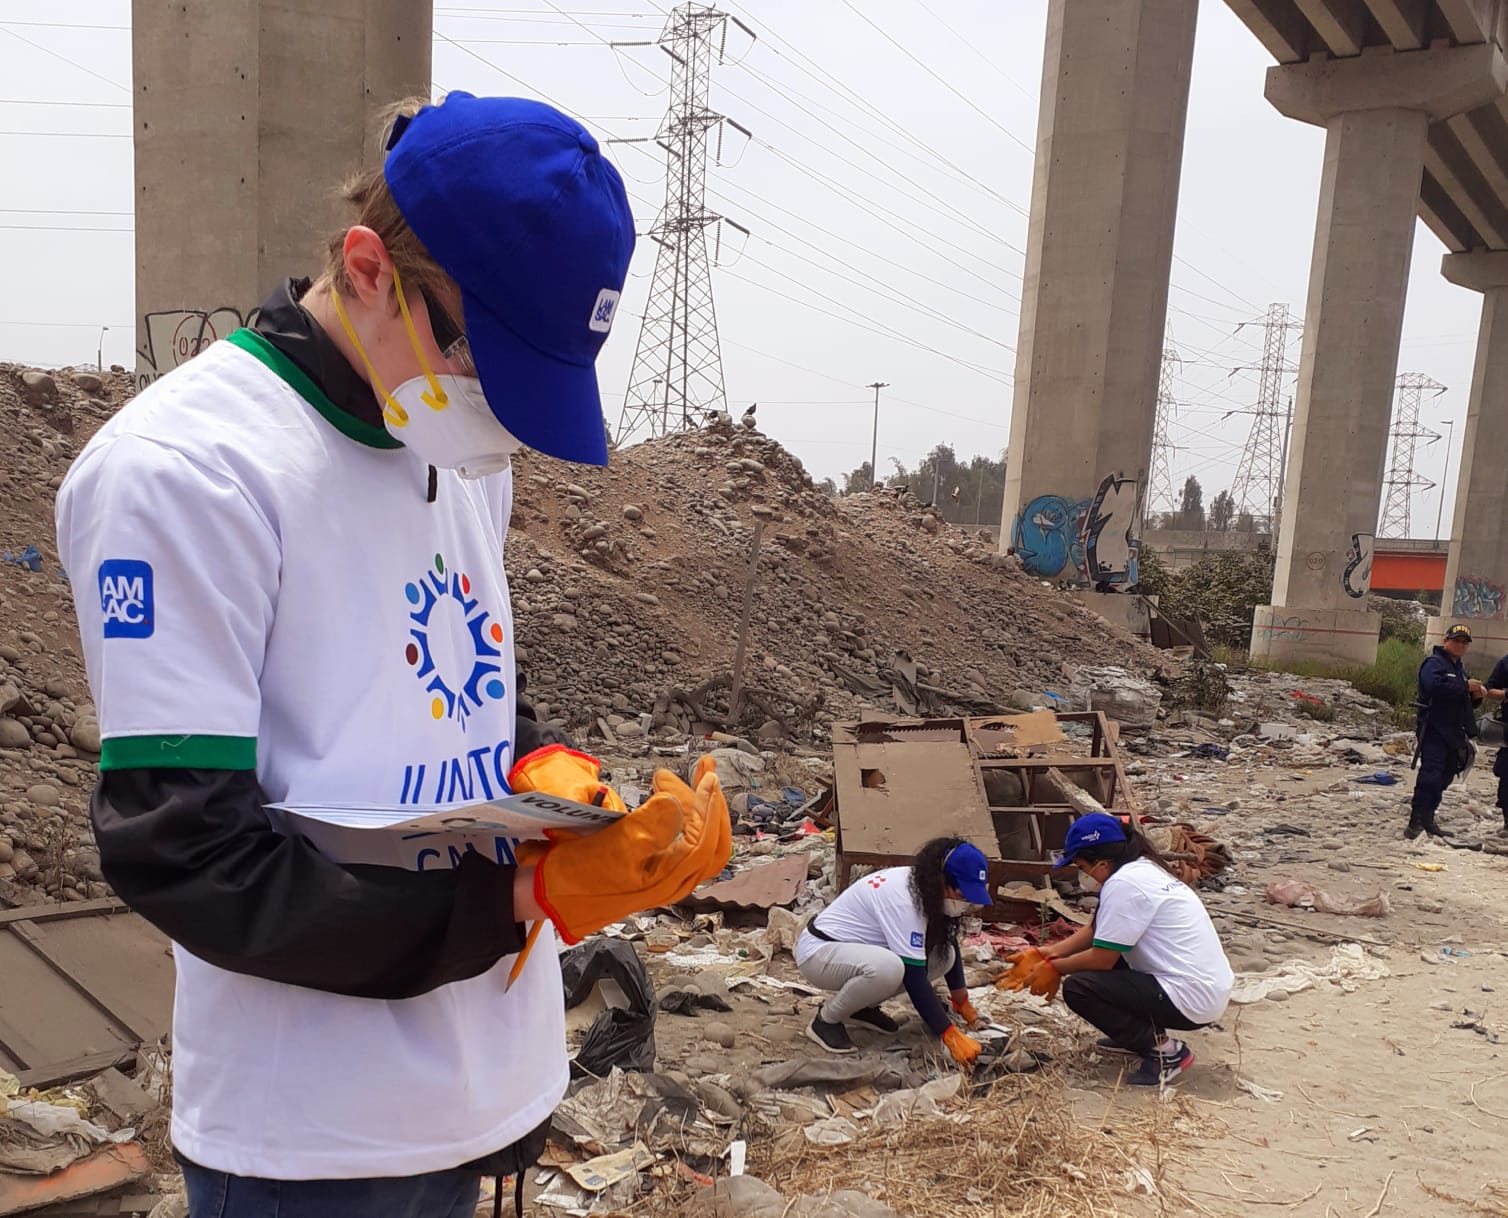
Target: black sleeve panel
(194, 853)
(954, 979)
(924, 998)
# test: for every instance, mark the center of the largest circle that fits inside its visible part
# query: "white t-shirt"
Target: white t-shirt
(1161, 925)
(878, 910)
(262, 584)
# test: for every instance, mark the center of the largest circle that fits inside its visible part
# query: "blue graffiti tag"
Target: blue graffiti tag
(1044, 534)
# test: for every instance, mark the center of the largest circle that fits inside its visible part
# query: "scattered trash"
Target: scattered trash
(30, 558)
(1266, 1094)
(831, 1131)
(597, 1174)
(624, 1033)
(1299, 895)
(1380, 779)
(1347, 966)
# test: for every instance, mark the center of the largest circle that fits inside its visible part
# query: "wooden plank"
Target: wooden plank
(88, 1064)
(1063, 761)
(62, 959)
(65, 910)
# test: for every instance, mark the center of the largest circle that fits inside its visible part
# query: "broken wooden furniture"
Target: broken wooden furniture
(1010, 784)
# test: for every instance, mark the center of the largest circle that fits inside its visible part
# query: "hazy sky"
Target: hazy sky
(886, 197)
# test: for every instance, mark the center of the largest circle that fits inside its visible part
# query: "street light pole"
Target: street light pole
(99, 355)
(1450, 436)
(874, 443)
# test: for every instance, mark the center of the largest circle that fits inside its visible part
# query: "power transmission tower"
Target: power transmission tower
(1160, 497)
(677, 373)
(1258, 488)
(1401, 482)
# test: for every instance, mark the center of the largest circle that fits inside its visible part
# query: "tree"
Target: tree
(1222, 512)
(1191, 505)
(828, 487)
(858, 480)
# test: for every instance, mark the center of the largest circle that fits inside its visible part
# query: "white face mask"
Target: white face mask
(1087, 883)
(443, 418)
(463, 434)
(954, 908)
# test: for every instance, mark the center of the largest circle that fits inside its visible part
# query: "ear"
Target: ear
(368, 265)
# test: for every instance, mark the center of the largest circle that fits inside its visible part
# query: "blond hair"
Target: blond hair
(372, 206)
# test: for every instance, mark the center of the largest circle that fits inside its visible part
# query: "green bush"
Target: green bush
(1222, 591)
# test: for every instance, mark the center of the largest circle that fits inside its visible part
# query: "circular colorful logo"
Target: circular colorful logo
(457, 688)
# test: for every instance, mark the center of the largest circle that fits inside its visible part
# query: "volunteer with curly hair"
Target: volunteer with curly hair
(288, 560)
(897, 930)
(1150, 961)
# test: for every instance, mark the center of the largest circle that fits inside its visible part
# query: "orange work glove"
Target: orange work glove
(557, 770)
(967, 1009)
(1045, 980)
(1019, 975)
(965, 1049)
(652, 856)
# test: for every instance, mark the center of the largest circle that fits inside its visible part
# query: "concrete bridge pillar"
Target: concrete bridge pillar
(1476, 570)
(1115, 91)
(246, 117)
(1374, 108)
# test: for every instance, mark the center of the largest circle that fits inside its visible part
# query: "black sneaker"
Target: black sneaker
(1160, 1069)
(1106, 1045)
(876, 1018)
(831, 1036)
(1432, 827)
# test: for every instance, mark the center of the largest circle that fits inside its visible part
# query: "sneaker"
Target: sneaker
(876, 1018)
(1159, 1069)
(1106, 1045)
(1432, 827)
(831, 1036)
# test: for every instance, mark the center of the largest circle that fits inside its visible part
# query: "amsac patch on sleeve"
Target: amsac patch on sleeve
(918, 939)
(125, 597)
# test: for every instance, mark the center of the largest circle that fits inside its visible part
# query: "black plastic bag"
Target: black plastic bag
(622, 1037)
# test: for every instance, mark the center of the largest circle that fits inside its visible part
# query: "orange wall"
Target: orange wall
(1407, 572)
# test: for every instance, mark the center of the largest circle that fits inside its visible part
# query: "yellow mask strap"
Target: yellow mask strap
(435, 398)
(391, 411)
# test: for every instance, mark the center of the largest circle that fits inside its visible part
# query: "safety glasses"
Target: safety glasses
(449, 336)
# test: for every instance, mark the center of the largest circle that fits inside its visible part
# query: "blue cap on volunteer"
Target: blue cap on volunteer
(518, 205)
(1091, 830)
(968, 872)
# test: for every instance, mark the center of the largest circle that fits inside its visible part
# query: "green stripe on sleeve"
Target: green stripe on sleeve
(179, 753)
(1114, 947)
(913, 963)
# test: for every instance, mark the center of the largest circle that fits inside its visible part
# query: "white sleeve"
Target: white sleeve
(175, 577)
(902, 925)
(1124, 914)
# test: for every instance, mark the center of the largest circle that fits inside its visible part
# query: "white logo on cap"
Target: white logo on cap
(602, 313)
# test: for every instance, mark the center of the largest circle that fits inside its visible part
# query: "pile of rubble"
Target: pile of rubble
(49, 736)
(628, 588)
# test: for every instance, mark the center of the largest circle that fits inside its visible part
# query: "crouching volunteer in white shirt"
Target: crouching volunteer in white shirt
(892, 930)
(1150, 961)
(288, 560)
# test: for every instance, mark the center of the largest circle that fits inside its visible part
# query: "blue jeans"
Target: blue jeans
(441, 1194)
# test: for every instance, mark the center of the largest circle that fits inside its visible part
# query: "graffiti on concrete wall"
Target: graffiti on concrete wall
(1085, 541)
(175, 337)
(1357, 577)
(1478, 597)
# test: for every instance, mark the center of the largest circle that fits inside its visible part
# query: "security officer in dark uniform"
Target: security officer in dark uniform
(1446, 725)
(1497, 691)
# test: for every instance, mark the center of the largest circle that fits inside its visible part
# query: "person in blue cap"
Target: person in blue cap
(288, 563)
(1151, 960)
(895, 930)
(1446, 725)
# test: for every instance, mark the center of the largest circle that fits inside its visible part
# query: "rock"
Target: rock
(13, 735)
(534, 576)
(25, 866)
(44, 795)
(1425, 905)
(89, 382)
(1339, 865)
(633, 512)
(771, 731)
(7, 851)
(719, 1033)
(10, 696)
(40, 388)
(56, 688)
(85, 736)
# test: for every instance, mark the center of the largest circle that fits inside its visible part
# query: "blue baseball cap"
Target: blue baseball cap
(1090, 830)
(518, 205)
(968, 872)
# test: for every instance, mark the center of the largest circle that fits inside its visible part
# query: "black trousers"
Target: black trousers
(1437, 766)
(1129, 1007)
(1500, 768)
